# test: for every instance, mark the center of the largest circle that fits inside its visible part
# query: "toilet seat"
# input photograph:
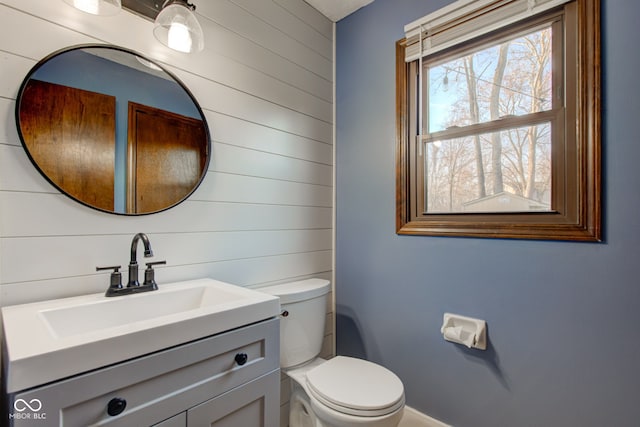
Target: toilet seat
(356, 387)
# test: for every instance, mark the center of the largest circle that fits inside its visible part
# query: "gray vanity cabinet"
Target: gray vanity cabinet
(229, 379)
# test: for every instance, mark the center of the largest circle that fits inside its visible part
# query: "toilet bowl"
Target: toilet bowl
(339, 392)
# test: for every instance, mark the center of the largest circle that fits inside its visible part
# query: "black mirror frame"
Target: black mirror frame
(132, 52)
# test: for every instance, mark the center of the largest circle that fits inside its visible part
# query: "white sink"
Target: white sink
(91, 316)
(51, 340)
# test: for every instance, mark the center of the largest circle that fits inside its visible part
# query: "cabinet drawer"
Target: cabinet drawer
(160, 385)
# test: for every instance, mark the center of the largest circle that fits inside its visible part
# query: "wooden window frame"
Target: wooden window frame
(576, 204)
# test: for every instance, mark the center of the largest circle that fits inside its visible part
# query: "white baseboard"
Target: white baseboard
(413, 418)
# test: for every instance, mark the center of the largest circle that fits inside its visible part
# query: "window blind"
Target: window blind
(466, 19)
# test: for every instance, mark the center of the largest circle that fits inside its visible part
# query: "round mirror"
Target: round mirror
(113, 130)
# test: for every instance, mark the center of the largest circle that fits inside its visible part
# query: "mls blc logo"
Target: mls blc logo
(28, 410)
(22, 405)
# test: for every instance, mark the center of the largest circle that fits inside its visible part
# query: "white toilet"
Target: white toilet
(340, 392)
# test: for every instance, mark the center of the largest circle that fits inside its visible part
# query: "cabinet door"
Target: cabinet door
(254, 404)
(179, 420)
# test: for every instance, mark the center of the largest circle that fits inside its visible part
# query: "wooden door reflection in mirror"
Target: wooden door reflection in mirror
(59, 123)
(165, 157)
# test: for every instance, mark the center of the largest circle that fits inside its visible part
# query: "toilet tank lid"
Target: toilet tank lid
(298, 291)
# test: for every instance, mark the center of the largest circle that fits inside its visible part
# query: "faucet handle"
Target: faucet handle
(149, 275)
(115, 268)
(116, 277)
(151, 264)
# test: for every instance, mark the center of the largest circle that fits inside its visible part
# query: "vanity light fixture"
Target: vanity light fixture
(96, 7)
(177, 27)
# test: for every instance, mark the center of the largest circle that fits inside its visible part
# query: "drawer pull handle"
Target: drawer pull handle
(241, 358)
(116, 406)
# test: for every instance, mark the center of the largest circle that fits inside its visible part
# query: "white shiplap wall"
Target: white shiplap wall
(264, 211)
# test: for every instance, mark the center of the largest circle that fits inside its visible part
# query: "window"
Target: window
(499, 128)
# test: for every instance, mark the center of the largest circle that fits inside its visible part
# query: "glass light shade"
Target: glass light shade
(177, 27)
(97, 7)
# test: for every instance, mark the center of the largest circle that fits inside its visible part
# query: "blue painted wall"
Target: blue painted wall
(563, 318)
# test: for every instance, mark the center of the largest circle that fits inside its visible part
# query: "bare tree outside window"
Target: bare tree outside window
(507, 170)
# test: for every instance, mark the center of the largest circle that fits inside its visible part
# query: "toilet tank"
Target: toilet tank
(304, 307)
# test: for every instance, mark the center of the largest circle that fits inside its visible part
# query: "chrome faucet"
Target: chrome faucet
(133, 286)
(133, 264)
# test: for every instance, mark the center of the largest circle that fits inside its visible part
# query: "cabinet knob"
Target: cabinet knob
(241, 358)
(116, 406)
